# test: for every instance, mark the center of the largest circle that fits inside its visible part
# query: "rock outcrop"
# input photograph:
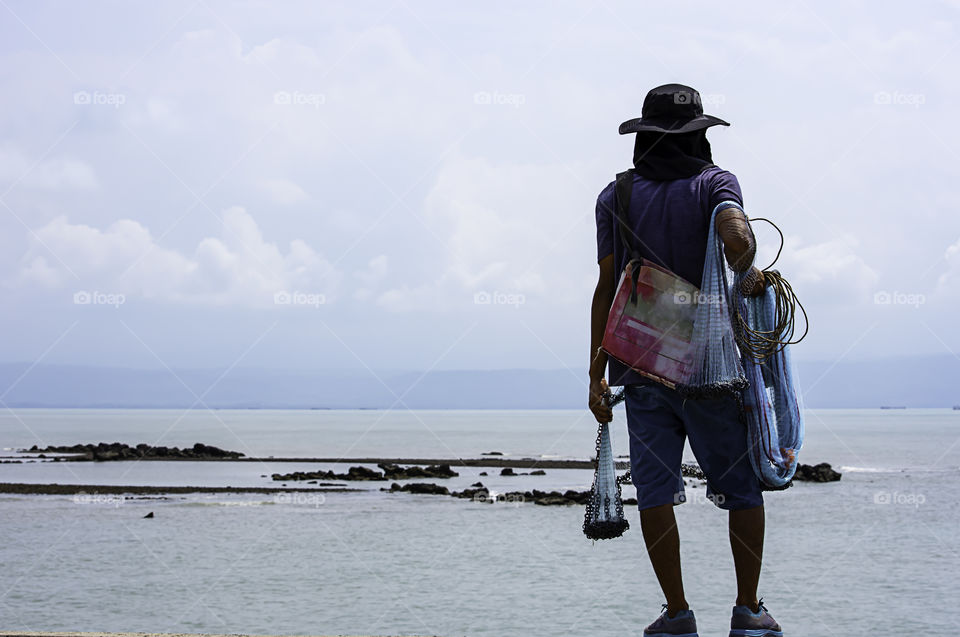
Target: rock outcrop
(119, 451)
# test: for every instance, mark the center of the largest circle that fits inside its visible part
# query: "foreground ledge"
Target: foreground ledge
(97, 634)
(74, 489)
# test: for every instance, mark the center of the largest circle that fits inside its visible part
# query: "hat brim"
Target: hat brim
(639, 125)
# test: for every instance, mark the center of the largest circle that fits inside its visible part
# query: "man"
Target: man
(675, 188)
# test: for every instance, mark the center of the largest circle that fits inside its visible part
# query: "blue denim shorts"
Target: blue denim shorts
(659, 420)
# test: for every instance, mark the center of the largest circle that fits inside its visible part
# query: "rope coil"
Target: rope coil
(762, 344)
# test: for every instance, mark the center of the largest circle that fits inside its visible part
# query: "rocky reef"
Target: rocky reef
(119, 451)
(388, 472)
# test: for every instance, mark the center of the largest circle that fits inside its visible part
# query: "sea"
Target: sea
(877, 553)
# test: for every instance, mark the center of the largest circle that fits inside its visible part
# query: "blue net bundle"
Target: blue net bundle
(715, 367)
(770, 404)
(604, 517)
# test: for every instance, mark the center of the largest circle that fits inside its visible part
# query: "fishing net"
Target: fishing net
(604, 518)
(715, 367)
(770, 404)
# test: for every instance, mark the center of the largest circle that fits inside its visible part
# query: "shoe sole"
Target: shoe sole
(755, 632)
(646, 634)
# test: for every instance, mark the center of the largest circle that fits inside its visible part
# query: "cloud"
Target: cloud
(507, 226)
(825, 273)
(238, 267)
(45, 174)
(283, 191)
(947, 282)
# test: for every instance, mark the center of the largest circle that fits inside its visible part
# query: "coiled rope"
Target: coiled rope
(762, 344)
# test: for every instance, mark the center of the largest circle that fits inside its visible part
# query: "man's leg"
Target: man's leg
(656, 448)
(719, 441)
(746, 542)
(663, 546)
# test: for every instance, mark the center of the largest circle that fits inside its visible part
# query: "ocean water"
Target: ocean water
(864, 556)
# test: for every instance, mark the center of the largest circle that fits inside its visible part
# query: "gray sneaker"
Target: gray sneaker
(683, 624)
(746, 623)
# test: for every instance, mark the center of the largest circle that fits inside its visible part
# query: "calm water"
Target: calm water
(858, 557)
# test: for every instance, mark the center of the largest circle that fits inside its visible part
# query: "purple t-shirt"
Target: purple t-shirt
(671, 220)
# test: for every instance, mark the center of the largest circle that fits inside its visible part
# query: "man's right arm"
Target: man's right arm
(599, 310)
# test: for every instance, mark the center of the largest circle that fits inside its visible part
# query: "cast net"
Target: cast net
(604, 516)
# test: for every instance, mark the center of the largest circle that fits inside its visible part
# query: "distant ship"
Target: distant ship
(903, 407)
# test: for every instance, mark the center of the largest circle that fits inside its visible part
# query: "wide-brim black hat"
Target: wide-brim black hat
(671, 108)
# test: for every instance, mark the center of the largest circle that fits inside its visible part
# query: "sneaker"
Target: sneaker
(746, 623)
(683, 624)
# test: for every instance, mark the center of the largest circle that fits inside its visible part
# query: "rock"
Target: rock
(363, 473)
(149, 515)
(822, 472)
(481, 493)
(421, 487)
(507, 471)
(395, 472)
(104, 451)
(538, 472)
(477, 484)
(482, 473)
(492, 453)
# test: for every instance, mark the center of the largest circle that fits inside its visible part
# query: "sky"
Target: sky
(411, 185)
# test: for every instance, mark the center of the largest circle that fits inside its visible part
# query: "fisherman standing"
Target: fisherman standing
(675, 188)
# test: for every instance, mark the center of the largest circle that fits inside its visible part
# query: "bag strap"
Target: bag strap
(624, 192)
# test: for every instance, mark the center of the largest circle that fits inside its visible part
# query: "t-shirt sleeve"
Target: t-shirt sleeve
(606, 203)
(723, 186)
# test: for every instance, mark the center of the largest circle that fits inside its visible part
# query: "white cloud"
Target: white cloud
(371, 276)
(947, 283)
(283, 191)
(830, 272)
(47, 174)
(236, 268)
(511, 227)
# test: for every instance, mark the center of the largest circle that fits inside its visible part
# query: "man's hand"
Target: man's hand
(597, 405)
(753, 283)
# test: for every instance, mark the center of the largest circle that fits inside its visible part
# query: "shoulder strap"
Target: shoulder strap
(624, 193)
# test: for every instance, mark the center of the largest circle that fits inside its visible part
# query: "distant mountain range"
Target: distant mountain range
(930, 381)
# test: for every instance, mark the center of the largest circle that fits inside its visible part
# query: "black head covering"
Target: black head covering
(666, 156)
